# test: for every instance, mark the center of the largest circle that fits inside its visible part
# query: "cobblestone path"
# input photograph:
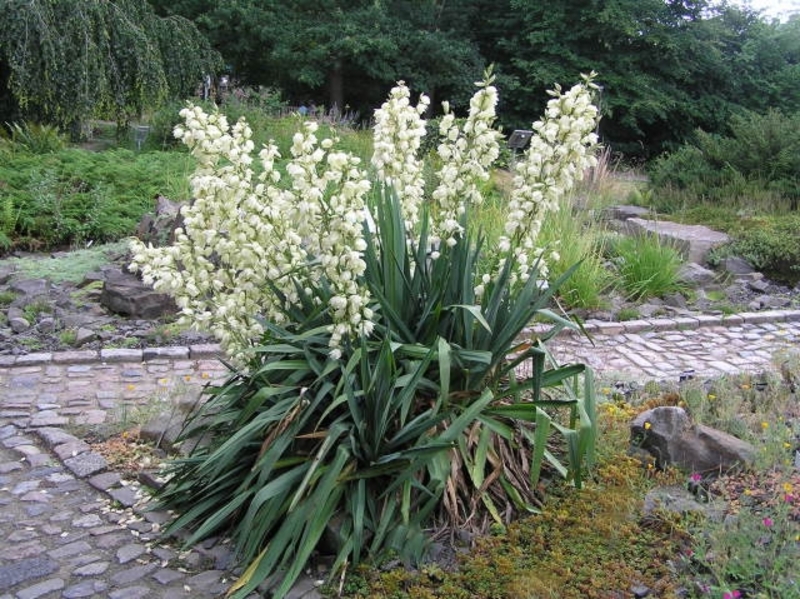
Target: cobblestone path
(71, 528)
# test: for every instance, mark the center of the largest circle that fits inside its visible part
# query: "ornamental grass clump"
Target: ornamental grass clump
(375, 358)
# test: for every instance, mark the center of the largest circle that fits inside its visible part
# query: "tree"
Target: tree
(64, 62)
(346, 51)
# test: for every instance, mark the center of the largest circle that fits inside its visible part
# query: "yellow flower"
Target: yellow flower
(131, 387)
(788, 487)
(204, 375)
(711, 397)
(745, 386)
(647, 426)
(187, 378)
(748, 492)
(787, 445)
(765, 425)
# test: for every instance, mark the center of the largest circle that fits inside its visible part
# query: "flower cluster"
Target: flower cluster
(561, 148)
(467, 153)
(397, 136)
(243, 238)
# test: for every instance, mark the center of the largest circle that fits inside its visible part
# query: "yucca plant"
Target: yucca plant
(379, 385)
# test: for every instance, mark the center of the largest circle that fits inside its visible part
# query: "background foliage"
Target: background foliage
(65, 62)
(667, 68)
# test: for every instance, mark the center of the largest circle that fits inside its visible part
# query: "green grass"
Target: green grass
(647, 267)
(576, 239)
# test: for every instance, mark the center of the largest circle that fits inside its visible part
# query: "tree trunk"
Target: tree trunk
(336, 88)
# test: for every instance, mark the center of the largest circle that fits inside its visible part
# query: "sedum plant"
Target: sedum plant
(380, 388)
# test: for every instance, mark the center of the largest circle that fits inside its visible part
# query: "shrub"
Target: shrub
(374, 361)
(771, 245)
(647, 267)
(758, 161)
(74, 196)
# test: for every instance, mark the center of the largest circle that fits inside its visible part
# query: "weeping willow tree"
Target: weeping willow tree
(65, 61)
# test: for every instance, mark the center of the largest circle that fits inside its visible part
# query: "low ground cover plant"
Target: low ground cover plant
(374, 349)
(70, 197)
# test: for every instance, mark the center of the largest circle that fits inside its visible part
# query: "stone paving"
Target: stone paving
(72, 528)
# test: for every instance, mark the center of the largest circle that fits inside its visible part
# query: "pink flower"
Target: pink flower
(731, 595)
(696, 477)
(768, 522)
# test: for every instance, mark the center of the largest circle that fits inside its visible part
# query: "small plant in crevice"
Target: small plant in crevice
(625, 314)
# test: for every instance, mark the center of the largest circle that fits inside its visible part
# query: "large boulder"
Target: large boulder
(694, 242)
(126, 294)
(671, 438)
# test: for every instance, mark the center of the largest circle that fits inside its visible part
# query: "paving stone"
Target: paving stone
(76, 357)
(105, 480)
(70, 549)
(129, 552)
(87, 588)
(132, 574)
(92, 569)
(137, 592)
(16, 572)
(112, 540)
(71, 449)
(88, 521)
(86, 464)
(167, 575)
(124, 495)
(121, 355)
(40, 589)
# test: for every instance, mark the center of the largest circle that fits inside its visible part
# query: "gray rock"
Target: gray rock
(46, 325)
(126, 294)
(84, 336)
(678, 500)
(6, 272)
(692, 241)
(759, 286)
(624, 212)
(675, 300)
(163, 430)
(159, 227)
(737, 267)
(694, 275)
(19, 325)
(668, 435)
(31, 287)
(771, 302)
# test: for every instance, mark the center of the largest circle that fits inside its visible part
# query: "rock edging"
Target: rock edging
(677, 323)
